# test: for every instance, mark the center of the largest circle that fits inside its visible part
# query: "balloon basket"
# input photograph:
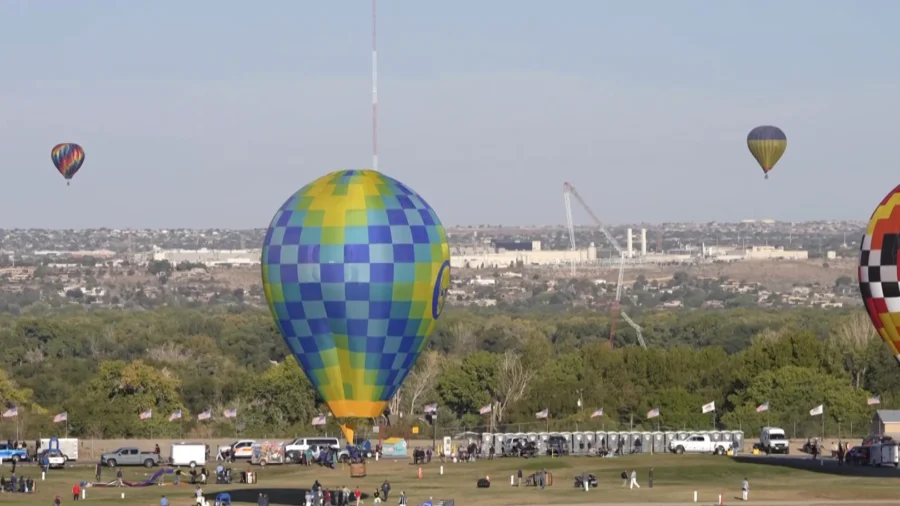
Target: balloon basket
(358, 470)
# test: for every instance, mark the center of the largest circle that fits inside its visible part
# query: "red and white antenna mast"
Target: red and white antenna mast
(374, 95)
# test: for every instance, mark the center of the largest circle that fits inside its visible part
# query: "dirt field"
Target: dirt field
(776, 275)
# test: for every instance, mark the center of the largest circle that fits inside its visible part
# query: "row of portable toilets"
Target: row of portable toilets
(583, 443)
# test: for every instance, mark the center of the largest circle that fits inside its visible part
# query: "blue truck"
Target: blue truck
(7, 452)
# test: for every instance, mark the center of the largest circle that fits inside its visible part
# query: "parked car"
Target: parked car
(129, 456)
(8, 452)
(699, 443)
(55, 458)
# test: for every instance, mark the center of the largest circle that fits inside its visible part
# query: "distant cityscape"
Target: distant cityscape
(671, 265)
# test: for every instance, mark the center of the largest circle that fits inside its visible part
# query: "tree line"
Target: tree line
(103, 367)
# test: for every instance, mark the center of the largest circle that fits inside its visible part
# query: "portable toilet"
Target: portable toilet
(715, 435)
(647, 443)
(590, 442)
(683, 435)
(579, 443)
(533, 437)
(637, 442)
(487, 440)
(626, 442)
(659, 442)
(569, 441)
(601, 437)
(500, 443)
(612, 441)
(542, 442)
(670, 436)
(737, 439)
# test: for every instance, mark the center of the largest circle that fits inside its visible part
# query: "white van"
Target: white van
(774, 440)
(188, 454)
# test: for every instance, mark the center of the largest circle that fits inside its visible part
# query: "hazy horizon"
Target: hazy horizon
(202, 114)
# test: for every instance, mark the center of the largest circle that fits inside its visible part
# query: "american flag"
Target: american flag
(431, 408)
(762, 407)
(206, 415)
(230, 413)
(542, 414)
(319, 420)
(874, 400)
(62, 417)
(175, 416)
(486, 409)
(11, 413)
(653, 413)
(146, 415)
(597, 413)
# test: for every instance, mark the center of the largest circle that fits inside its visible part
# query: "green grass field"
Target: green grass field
(676, 477)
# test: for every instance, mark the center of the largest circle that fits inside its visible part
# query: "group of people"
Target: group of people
(16, 484)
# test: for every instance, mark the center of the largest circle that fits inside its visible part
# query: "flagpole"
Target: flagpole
(823, 423)
(67, 426)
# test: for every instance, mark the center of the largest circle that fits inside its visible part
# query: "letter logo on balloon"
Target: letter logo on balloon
(440, 290)
(878, 270)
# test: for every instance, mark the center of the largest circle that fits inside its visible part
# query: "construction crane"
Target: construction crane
(569, 191)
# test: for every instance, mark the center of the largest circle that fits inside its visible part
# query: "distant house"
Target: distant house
(886, 422)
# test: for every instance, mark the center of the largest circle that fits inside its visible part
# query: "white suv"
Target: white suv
(296, 448)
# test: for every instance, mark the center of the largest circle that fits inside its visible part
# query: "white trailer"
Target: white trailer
(67, 446)
(188, 454)
(884, 454)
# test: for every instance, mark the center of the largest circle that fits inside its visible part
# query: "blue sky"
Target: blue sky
(210, 113)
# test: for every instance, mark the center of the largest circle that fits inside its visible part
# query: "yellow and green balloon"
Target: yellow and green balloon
(767, 144)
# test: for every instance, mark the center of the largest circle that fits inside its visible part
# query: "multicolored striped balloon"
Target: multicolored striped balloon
(355, 268)
(68, 158)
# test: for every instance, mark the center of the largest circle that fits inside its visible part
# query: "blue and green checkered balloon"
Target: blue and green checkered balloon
(355, 268)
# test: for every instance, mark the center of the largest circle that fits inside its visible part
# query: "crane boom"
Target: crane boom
(570, 225)
(568, 192)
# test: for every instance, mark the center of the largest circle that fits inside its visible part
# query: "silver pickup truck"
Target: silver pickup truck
(129, 456)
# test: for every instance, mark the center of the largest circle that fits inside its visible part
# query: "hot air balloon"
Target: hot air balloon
(355, 269)
(68, 158)
(767, 144)
(878, 270)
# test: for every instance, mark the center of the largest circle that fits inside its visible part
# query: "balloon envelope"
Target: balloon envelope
(355, 268)
(67, 158)
(878, 270)
(767, 144)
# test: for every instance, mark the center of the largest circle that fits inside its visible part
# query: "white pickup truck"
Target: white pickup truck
(699, 443)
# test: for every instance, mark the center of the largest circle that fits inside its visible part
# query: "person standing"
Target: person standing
(386, 489)
(651, 477)
(634, 482)
(119, 477)
(402, 498)
(624, 479)
(357, 494)
(745, 489)
(98, 472)
(519, 484)
(76, 492)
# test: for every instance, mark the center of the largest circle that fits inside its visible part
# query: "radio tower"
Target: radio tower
(374, 95)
